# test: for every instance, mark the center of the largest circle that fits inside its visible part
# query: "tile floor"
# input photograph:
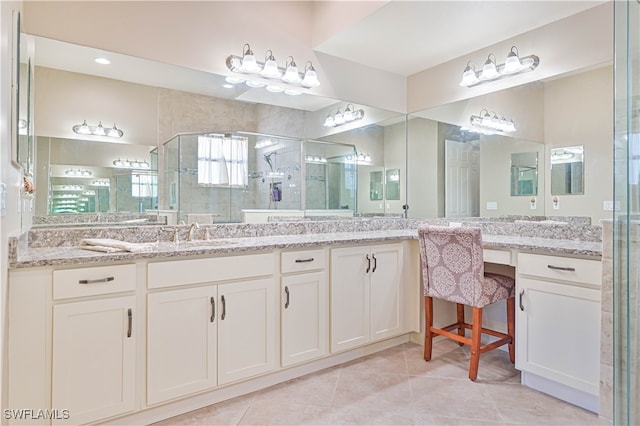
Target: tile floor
(397, 387)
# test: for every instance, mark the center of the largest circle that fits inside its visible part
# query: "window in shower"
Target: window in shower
(223, 160)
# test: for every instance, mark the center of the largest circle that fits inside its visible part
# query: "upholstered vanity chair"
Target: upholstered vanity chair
(453, 270)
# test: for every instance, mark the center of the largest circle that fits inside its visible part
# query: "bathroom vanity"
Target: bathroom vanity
(194, 323)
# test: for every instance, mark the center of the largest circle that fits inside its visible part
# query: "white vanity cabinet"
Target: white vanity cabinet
(304, 306)
(211, 333)
(558, 326)
(94, 342)
(366, 294)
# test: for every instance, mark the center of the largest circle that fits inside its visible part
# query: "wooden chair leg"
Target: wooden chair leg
(476, 335)
(428, 323)
(460, 319)
(511, 327)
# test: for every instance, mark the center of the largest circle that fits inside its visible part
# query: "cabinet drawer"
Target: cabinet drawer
(197, 271)
(583, 271)
(68, 283)
(502, 257)
(304, 260)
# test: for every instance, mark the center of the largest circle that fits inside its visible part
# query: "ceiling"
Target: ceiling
(400, 37)
(405, 37)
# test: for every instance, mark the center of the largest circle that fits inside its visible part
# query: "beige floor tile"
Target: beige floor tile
(440, 396)
(370, 416)
(266, 412)
(521, 405)
(370, 389)
(224, 413)
(314, 389)
(397, 387)
(389, 361)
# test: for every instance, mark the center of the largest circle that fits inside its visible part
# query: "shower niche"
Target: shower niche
(219, 177)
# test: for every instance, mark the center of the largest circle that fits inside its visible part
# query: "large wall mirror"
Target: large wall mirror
(172, 119)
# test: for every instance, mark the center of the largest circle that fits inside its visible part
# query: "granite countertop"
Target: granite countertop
(74, 255)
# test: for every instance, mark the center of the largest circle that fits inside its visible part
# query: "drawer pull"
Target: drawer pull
(561, 268)
(213, 309)
(130, 317)
(520, 300)
(368, 264)
(286, 291)
(100, 280)
(224, 308)
(304, 260)
(375, 262)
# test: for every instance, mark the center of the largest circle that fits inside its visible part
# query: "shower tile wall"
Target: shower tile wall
(182, 112)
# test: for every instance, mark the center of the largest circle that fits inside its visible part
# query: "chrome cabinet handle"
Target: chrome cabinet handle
(286, 291)
(130, 317)
(520, 300)
(213, 309)
(99, 280)
(224, 308)
(375, 262)
(304, 260)
(368, 264)
(561, 268)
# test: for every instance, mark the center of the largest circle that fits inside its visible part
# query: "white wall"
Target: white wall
(579, 111)
(423, 169)
(574, 43)
(495, 172)
(199, 37)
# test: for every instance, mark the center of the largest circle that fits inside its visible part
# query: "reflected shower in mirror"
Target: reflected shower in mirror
(567, 170)
(376, 185)
(524, 173)
(392, 184)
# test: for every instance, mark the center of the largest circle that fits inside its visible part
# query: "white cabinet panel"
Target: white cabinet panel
(304, 317)
(247, 329)
(558, 333)
(181, 342)
(365, 294)
(94, 358)
(385, 292)
(349, 297)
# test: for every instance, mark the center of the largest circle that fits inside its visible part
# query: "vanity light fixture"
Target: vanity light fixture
(269, 69)
(99, 130)
(126, 164)
(100, 182)
(491, 71)
(360, 158)
(78, 173)
(339, 118)
(315, 159)
(491, 123)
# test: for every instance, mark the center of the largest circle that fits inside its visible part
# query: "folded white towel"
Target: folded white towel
(109, 245)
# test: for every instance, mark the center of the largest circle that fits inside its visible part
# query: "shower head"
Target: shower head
(267, 158)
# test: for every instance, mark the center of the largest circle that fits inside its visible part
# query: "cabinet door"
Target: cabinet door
(349, 297)
(181, 343)
(558, 333)
(385, 279)
(247, 329)
(94, 358)
(304, 309)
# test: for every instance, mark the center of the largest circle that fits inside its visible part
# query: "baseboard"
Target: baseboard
(558, 390)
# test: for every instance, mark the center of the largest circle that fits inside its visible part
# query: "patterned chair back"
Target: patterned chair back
(453, 266)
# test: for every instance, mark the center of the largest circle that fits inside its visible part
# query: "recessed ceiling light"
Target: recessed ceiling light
(228, 86)
(102, 61)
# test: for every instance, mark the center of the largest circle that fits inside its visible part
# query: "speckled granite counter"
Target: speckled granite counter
(39, 255)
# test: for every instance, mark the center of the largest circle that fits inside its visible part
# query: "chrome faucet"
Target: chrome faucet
(192, 228)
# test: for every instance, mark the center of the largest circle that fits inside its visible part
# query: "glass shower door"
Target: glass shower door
(626, 223)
